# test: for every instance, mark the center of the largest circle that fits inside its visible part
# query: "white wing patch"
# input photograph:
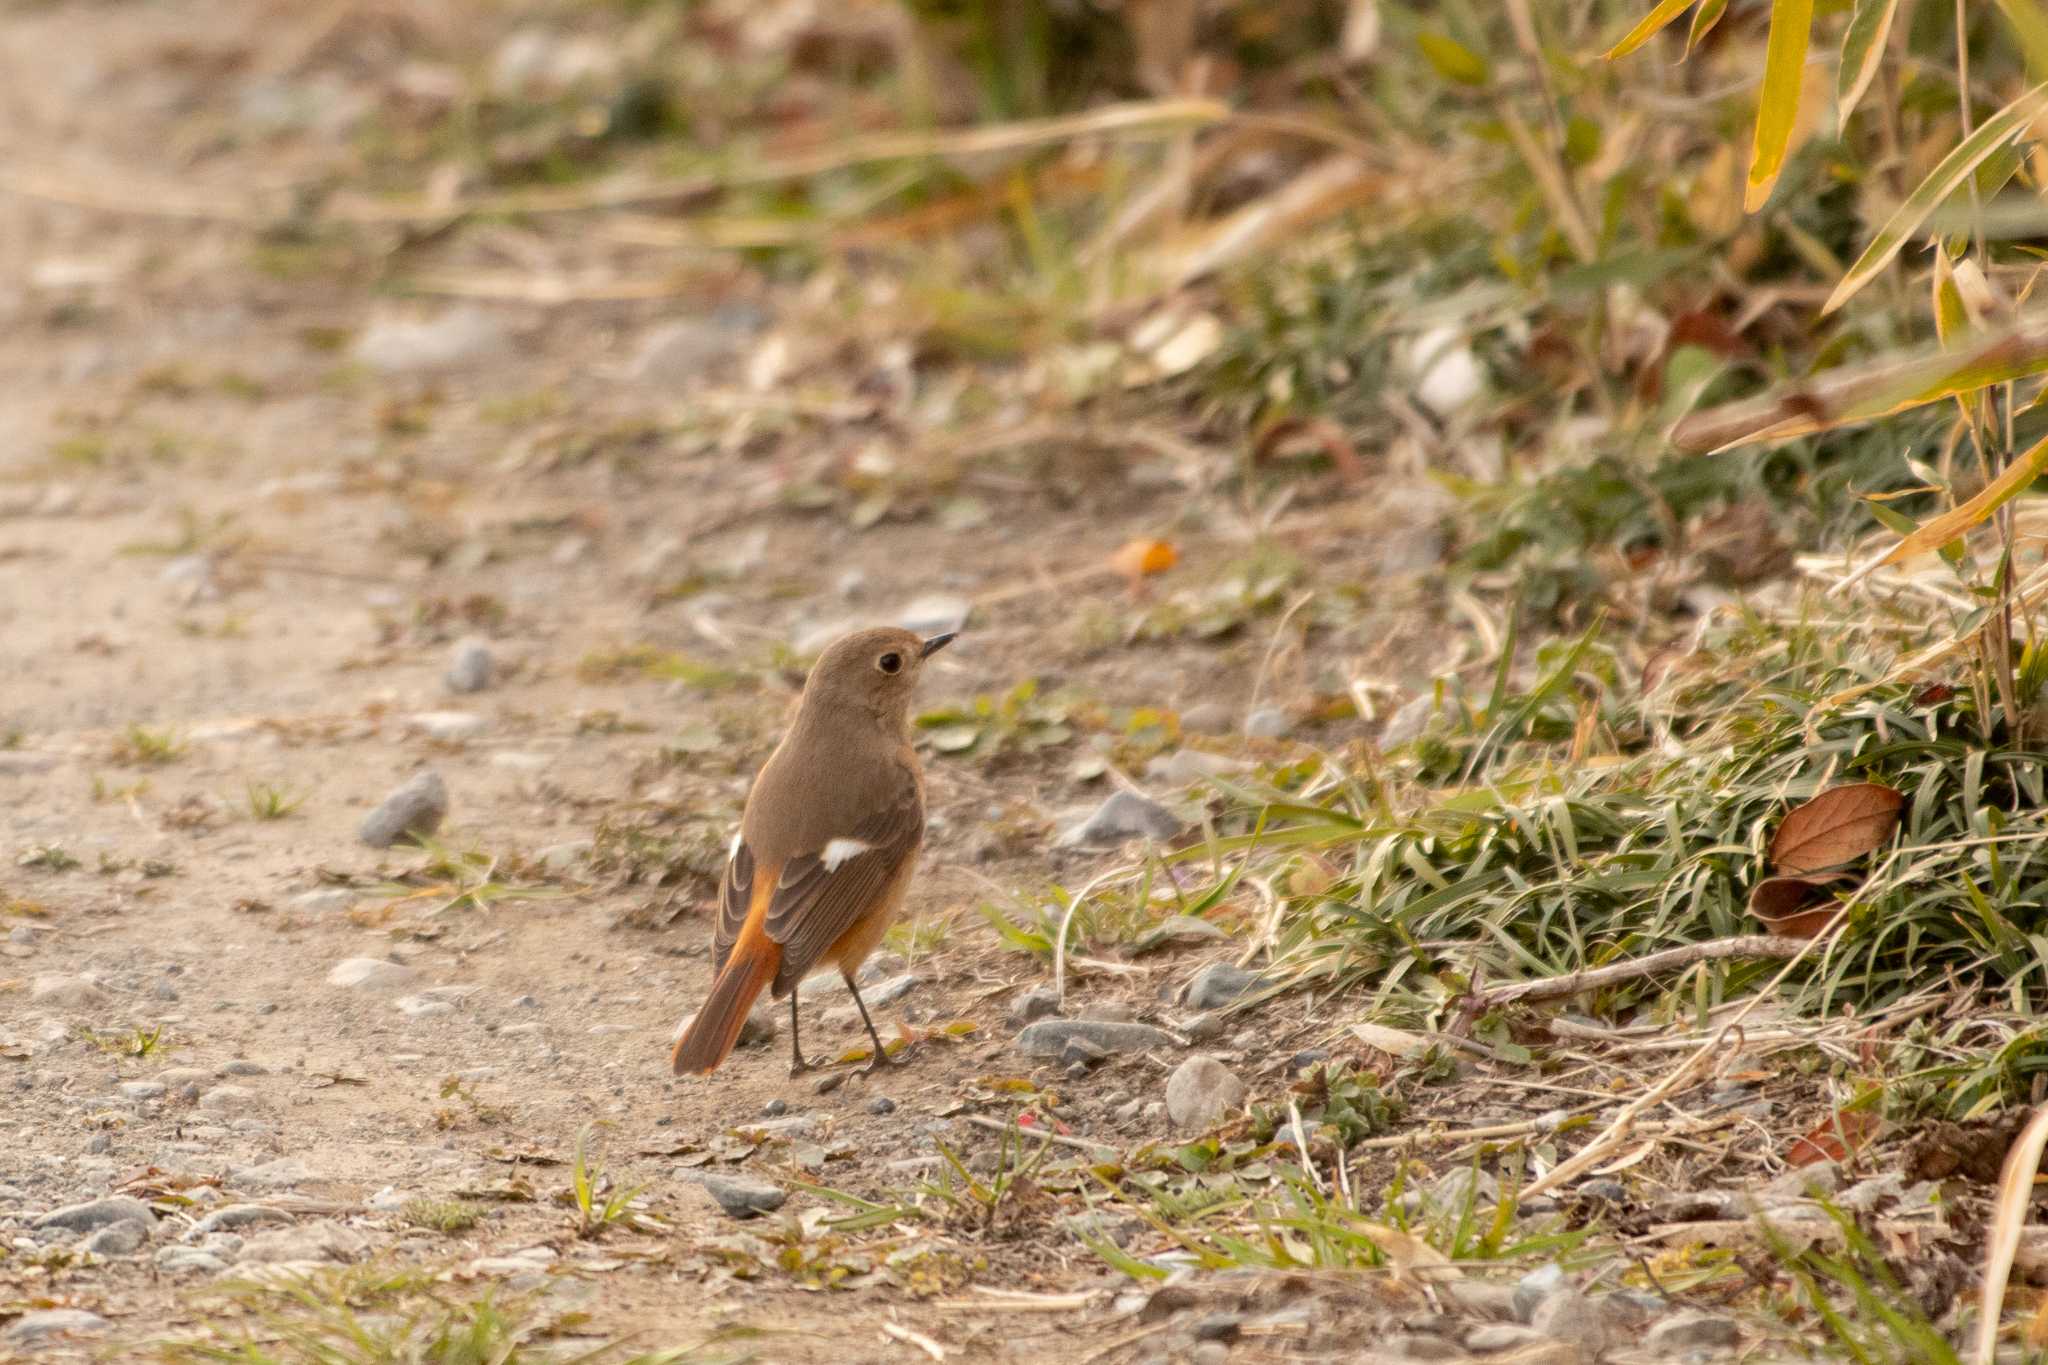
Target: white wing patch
(734, 851)
(839, 850)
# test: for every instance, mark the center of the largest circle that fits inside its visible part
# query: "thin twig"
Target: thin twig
(1061, 1139)
(1770, 947)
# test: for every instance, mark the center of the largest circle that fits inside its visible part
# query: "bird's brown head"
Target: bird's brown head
(874, 671)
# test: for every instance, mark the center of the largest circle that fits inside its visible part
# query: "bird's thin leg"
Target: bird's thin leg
(881, 1057)
(797, 1065)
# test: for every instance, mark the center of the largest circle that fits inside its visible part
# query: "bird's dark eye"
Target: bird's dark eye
(892, 662)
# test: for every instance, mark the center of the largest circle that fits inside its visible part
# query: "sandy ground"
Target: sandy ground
(249, 505)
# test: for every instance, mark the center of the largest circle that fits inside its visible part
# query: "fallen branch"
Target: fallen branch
(1768, 947)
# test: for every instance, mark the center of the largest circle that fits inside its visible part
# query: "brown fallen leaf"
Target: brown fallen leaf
(1836, 1138)
(1795, 907)
(1836, 827)
(1292, 435)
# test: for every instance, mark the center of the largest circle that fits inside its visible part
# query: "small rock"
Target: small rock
(1691, 1330)
(417, 808)
(370, 973)
(1209, 1353)
(64, 992)
(1482, 1298)
(881, 1104)
(1268, 722)
(118, 1239)
(143, 1090)
(565, 855)
(1203, 1028)
(179, 1260)
(1206, 718)
(164, 990)
(1416, 1346)
(1201, 1091)
(1218, 984)
(1079, 1056)
(397, 345)
(935, 614)
(315, 1242)
(472, 668)
(1571, 1317)
(1604, 1191)
(741, 1197)
(1218, 1327)
(324, 900)
(758, 1030)
(44, 1323)
(1536, 1286)
(450, 727)
(1124, 816)
(1502, 1336)
(225, 1097)
(1185, 767)
(1049, 1037)
(679, 351)
(421, 1006)
(1117, 1011)
(1040, 1002)
(97, 1213)
(890, 991)
(231, 1216)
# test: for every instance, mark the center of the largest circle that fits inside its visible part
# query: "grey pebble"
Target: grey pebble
(1415, 1346)
(242, 1066)
(1049, 1037)
(97, 1213)
(143, 1090)
(225, 1097)
(370, 973)
(1040, 1002)
(1201, 1091)
(472, 668)
(406, 345)
(741, 1197)
(118, 1239)
(173, 1260)
(232, 1216)
(50, 1322)
(1536, 1286)
(1218, 984)
(1125, 815)
(416, 808)
(1571, 1317)
(1206, 718)
(1268, 722)
(1692, 1330)
(1502, 1336)
(881, 1104)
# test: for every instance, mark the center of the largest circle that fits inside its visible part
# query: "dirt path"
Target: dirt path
(250, 503)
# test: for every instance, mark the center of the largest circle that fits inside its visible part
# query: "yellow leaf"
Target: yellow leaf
(1452, 59)
(1142, 557)
(1778, 107)
(1646, 30)
(1951, 319)
(1942, 529)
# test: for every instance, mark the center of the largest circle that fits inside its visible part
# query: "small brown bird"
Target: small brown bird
(825, 846)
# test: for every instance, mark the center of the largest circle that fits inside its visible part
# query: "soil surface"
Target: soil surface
(254, 503)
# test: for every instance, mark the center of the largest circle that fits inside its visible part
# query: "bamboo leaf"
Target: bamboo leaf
(2031, 24)
(1944, 180)
(1452, 59)
(1862, 52)
(1863, 393)
(1655, 20)
(1703, 20)
(1951, 319)
(1778, 107)
(1941, 530)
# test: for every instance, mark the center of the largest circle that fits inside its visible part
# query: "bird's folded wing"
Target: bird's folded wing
(821, 895)
(735, 895)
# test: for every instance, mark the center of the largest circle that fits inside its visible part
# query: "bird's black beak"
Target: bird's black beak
(937, 643)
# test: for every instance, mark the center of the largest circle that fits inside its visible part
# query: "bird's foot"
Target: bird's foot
(882, 1059)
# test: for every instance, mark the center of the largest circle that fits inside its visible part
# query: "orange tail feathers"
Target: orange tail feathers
(716, 1028)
